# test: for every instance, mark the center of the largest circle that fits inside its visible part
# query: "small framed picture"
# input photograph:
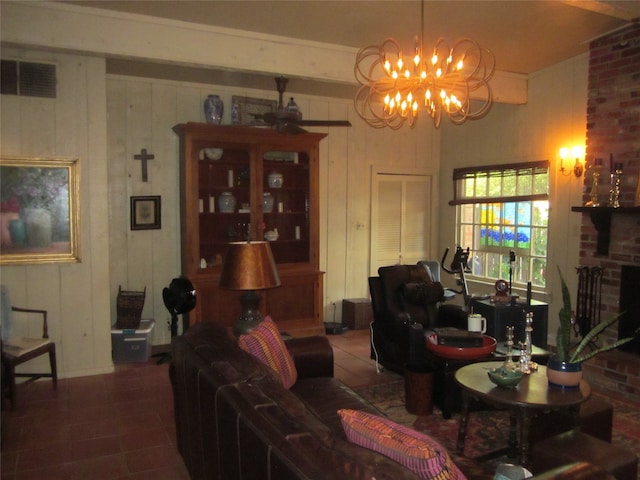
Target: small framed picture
(145, 213)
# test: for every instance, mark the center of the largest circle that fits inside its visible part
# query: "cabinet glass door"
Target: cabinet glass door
(224, 200)
(286, 205)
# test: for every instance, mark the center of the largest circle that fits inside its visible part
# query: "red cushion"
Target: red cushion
(265, 343)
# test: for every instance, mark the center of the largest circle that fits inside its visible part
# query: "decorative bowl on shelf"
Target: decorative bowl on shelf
(213, 153)
(505, 377)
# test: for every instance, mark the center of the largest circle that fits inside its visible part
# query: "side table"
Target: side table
(532, 396)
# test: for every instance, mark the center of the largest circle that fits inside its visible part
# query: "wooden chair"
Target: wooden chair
(17, 350)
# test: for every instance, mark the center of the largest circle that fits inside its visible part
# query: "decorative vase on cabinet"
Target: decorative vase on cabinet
(213, 108)
(267, 202)
(227, 202)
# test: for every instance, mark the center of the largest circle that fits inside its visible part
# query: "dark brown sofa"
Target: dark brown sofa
(234, 420)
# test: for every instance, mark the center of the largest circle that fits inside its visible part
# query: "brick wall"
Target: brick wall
(613, 128)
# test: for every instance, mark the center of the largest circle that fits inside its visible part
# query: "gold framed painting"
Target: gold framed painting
(39, 210)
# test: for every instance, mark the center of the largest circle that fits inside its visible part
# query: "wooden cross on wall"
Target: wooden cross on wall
(143, 156)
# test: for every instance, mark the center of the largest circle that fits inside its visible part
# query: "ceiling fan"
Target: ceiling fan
(285, 120)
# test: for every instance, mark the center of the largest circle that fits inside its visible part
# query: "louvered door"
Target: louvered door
(401, 219)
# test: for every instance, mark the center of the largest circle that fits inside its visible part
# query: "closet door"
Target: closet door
(400, 219)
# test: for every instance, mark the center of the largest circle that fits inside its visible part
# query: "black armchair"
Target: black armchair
(405, 302)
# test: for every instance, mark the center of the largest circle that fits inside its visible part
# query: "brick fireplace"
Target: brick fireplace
(613, 131)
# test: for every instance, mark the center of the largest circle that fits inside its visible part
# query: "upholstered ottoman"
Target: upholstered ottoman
(575, 446)
(596, 419)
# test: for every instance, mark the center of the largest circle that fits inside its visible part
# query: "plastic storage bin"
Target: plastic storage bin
(132, 345)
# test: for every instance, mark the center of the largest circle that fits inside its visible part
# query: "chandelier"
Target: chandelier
(394, 89)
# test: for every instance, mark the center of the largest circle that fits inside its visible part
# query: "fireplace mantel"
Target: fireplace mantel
(601, 219)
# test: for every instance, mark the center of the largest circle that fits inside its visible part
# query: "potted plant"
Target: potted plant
(565, 367)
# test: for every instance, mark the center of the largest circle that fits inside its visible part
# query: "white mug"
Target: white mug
(477, 323)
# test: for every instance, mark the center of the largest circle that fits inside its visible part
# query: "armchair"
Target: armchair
(406, 301)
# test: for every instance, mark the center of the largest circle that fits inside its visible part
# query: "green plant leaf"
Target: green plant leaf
(563, 335)
(593, 353)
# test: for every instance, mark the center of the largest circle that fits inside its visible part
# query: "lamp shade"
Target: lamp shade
(249, 266)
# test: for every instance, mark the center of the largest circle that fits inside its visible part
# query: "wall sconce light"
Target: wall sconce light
(578, 155)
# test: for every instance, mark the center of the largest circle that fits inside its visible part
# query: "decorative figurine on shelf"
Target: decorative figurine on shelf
(508, 363)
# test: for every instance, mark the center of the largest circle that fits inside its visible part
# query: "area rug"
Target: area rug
(487, 431)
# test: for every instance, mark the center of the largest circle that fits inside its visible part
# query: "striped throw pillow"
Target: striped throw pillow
(265, 343)
(418, 452)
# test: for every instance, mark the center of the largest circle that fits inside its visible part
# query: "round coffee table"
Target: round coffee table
(532, 395)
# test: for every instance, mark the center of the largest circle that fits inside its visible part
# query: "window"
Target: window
(503, 209)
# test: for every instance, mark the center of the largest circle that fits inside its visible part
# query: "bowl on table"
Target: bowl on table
(505, 377)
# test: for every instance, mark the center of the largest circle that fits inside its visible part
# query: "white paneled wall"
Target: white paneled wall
(76, 295)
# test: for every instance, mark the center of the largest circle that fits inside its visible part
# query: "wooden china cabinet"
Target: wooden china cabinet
(237, 161)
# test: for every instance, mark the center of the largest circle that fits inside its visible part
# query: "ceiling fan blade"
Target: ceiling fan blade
(323, 123)
(289, 127)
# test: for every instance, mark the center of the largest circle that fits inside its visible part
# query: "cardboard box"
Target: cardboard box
(129, 345)
(357, 313)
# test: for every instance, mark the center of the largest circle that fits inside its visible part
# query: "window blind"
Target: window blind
(501, 183)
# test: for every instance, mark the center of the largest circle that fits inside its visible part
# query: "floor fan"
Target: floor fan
(179, 297)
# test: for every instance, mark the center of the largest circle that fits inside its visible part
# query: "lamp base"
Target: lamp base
(250, 316)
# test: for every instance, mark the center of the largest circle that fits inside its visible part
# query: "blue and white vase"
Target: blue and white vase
(226, 202)
(213, 108)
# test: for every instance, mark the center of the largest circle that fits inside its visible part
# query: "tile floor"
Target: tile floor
(120, 425)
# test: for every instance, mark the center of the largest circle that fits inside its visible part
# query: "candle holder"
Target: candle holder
(526, 364)
(508, 363)
(596, 171)
(614, 192)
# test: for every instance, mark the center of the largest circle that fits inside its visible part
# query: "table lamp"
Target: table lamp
(249, 266)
